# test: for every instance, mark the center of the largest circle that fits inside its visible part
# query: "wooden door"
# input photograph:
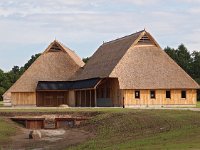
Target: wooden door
(52, 99)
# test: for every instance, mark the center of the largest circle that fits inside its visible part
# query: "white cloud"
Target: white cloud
(138, 2)
(194, 11)
(84, 24)
(189, 1)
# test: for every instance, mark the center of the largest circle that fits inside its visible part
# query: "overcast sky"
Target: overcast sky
(28, 26)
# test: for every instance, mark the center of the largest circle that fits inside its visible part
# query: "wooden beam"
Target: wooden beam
(85, 98)
(95, 97)
(90, 98)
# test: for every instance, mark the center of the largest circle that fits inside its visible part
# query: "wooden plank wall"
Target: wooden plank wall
(34, 124)
(114, 92)
(71, 101)
(52, 98)
(129, 98)
(85, 98)
(23, 98)
(113, 85)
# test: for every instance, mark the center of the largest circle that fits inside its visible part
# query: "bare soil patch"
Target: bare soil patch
(51, 139)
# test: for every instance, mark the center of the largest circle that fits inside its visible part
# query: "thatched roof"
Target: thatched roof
(56, 63)
(106, 57)
(139, 63)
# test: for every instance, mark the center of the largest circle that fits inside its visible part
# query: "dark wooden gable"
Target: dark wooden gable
(55, 48)
(146, 40)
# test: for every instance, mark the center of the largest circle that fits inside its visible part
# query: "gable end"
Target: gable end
(145, 40)
(55, 48)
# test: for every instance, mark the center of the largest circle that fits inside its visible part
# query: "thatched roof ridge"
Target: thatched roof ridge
(73, 55)
(49, 66)
(106, 57)
(136, 66)
(125, 37)
(70, 52)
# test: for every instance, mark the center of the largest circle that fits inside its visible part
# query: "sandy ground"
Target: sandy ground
(51, 139)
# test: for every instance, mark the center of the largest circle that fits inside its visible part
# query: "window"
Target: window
(152, 94)
(137, 94)
(183, 94)
(168, 94)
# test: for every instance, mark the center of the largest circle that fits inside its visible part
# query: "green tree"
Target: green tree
(9, 78)
(181, 56)
(195, 70)
(15, 69)
(171, 52)
(184, 58)
(85, 60)
(29, 63)
(189, 62)
(2, 83)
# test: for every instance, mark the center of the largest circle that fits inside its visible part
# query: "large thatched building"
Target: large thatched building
(129, 71)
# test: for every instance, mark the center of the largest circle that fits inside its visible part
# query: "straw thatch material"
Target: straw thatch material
(50, 66)
(137, 66)
(150, 67)
(106, 58)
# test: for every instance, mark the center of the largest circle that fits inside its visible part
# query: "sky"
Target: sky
(27, 27)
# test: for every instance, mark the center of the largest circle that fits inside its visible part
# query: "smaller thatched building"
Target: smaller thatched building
(56, 63)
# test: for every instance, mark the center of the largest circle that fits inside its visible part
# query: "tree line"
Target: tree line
(190, 62)
(7, 79)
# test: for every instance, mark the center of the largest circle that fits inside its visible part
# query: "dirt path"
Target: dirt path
(50, 139)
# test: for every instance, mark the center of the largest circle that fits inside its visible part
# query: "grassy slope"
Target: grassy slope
(7, 129)
(198, 104)
(1, 103)
(133, 129)
(145, 129)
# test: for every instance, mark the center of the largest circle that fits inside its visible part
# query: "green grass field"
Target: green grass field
(198, 104)
(144, 129)
(118, 128)
(7, 129)
(1, 103)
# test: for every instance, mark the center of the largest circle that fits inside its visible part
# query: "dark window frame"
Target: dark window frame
(183, 94)
(152, 94)
(168, 94)
(137, 91)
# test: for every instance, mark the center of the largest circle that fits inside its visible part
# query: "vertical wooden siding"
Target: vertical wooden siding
(34, 124)
(112, 85)
(52, 98)
(23, 98)
(115, 93)
(71, 101)
(85, 98)
(129, 98)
